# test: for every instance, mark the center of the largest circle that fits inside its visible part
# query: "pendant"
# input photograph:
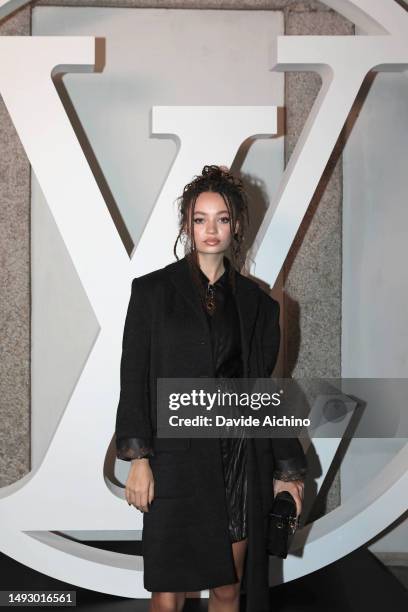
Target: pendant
(210, 299)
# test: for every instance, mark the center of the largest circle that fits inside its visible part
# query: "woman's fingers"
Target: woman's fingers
(130, 496)
(151, 491)
(295, 491)
(141, 500)
(297, 494)
(139, 486)
(298, 501)
(295, 487)
(133, 496)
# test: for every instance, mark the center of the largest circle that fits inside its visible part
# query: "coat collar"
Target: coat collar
(247, 300)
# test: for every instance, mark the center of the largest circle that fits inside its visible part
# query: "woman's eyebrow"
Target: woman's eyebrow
(199, 212)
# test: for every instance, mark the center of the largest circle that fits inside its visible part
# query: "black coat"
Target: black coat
(186, 545)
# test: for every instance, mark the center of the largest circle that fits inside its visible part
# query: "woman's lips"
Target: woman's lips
(212, 242)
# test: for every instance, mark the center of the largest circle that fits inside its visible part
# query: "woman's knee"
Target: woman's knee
(227, 593)
(165, 602)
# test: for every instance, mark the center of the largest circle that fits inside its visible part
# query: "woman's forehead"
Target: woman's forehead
(210, 202)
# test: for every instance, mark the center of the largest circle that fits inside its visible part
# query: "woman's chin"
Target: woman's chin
(211, 250)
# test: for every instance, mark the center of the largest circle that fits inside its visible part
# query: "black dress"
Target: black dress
(225, 335)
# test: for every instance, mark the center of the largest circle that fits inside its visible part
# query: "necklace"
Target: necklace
(210, 299)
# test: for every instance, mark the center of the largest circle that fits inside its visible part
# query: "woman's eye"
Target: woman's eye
(222, 219)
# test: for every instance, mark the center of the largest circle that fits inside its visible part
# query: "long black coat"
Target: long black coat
(186, 545)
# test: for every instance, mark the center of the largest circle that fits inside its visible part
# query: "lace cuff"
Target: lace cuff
(133, 448)
(290, 474)
(292, 468)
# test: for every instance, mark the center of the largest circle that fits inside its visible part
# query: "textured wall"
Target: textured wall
(312, 272)
(15, 288)
(312, 300)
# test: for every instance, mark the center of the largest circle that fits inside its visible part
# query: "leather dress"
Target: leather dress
(225, 335)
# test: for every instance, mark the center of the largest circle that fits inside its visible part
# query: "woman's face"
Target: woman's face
(211, 223)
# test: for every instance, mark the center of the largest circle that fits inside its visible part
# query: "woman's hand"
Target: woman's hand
(139, 488)
(295, 487)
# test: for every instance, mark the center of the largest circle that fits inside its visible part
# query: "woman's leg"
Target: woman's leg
(226, 598)
(167, 602)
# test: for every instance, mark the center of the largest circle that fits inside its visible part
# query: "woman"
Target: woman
(205, 501)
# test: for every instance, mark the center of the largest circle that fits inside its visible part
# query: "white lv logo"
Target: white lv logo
(69, 490)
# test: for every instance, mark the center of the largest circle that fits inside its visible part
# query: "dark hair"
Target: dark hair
(217, 179)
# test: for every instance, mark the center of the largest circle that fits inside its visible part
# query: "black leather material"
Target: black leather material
(227, 356)
(282, 524)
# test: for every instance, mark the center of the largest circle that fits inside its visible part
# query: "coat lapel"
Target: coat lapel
(247, 299)
(248, 305)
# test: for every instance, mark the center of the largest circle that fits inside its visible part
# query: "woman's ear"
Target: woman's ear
(236, 226)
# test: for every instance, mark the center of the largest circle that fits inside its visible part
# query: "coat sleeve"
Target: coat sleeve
(133, 431)
(289, 457)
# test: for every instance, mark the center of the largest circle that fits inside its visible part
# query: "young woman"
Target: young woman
(205, 501)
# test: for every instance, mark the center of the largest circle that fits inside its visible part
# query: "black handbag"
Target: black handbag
(282, 524)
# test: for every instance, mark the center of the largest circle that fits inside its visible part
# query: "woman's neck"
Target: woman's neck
(212, 265)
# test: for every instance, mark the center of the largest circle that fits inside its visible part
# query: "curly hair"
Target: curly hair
(217, 179)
